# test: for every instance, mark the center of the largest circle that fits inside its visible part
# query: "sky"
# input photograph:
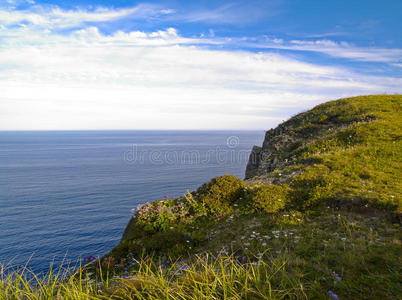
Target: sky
(179, 64)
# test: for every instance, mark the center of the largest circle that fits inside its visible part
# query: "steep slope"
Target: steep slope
(346, 151)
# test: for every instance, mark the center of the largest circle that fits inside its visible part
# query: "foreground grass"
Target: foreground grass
(205, 278)
(326, 254)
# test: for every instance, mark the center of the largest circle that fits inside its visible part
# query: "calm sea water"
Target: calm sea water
(69, 194)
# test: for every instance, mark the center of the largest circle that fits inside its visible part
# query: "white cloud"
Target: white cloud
(54, 17)
(154, 80)
(332, 48)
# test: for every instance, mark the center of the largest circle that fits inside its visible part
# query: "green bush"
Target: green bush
(270, 198)
(220, 193)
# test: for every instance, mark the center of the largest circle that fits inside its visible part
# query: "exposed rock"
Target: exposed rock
(284, 144)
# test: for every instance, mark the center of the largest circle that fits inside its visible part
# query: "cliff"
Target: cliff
(318, 214)
(354, 144)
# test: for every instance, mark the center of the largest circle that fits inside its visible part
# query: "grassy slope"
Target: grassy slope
(330, 224)
(353, 147)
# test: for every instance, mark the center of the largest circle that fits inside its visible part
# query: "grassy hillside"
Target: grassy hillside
(317, 218)
(344, 152)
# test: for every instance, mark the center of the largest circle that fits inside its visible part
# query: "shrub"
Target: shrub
(220, 193)
(270, 198)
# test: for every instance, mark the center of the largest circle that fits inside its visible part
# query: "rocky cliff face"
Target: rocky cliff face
(279, 148)
(283, 146)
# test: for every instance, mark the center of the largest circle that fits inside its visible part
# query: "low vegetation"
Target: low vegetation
(323, 224)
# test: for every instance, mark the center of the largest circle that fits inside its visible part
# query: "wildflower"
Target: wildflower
(336, 276)
(89, 258)
(159, 208)
(162, 266)
(332, 295)
(167, 261)
(184, 268)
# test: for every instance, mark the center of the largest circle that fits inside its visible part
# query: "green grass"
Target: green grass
(260, 256)
(347, 152)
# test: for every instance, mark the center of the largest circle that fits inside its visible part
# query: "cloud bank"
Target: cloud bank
(86, 79)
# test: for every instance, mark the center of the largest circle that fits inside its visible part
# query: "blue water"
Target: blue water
(64, 195)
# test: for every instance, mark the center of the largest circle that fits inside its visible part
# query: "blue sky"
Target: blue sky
(189, 64)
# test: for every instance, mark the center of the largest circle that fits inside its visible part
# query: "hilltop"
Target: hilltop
(344, 152)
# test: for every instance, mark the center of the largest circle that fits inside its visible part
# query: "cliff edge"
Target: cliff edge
(349, 147)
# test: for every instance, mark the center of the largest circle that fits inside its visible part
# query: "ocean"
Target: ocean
(68, 194)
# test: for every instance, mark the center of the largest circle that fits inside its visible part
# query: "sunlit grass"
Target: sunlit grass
(206, 277)
(352, 256)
